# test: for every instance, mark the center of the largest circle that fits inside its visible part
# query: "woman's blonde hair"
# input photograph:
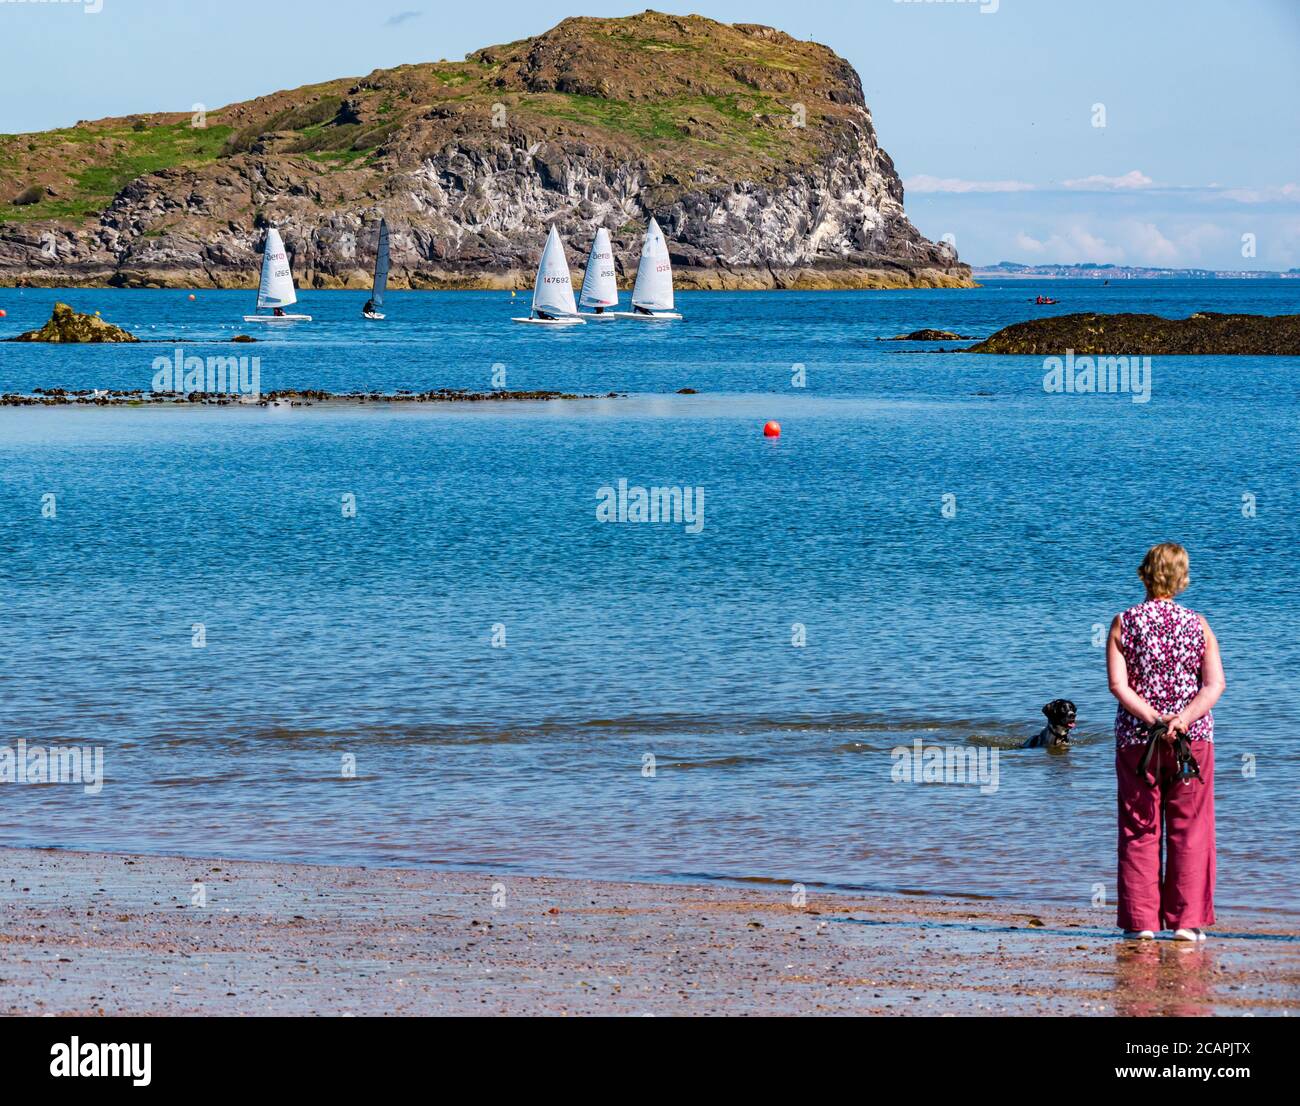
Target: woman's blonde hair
(1164, 570)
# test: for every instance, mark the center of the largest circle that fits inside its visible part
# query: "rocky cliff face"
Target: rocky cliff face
(754, 151)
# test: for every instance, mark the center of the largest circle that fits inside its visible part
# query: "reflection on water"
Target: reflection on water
(1164, 978)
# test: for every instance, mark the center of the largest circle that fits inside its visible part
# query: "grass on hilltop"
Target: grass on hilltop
(100, 162)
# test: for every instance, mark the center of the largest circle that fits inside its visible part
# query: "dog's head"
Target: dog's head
(1060, 719)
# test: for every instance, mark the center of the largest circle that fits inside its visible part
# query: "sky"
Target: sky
(989, 108)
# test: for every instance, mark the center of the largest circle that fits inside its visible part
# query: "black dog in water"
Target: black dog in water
(1056, 734)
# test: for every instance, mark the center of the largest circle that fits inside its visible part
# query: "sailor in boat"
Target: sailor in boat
(278, 311)
(369, 308)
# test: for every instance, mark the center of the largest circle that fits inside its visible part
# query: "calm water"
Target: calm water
(372, 635)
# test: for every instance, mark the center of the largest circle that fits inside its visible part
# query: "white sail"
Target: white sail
(553, 290)
(654, 275)
(599, 286)
(381, 267)
(276, 289)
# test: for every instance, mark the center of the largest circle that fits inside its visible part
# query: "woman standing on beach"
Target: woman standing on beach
(1164, 666)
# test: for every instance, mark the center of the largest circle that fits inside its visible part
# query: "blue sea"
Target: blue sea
(402, 636)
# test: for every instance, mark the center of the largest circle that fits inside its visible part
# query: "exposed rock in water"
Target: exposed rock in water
(927, 336)
(755, 151)
(1205, 332)
(66, 325)
(63, 397)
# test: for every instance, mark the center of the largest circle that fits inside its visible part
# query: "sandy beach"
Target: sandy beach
(89, 933)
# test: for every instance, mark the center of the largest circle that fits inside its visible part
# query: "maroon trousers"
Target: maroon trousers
(1183, 897)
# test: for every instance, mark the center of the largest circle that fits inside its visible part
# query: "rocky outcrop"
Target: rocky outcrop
(1205, 332)
(64, 397)
(755, 152)
(66, 325)
(927, 335)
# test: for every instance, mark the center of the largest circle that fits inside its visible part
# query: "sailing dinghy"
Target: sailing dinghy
(276, 290)
(599, 284)
(553, 303)
(652, 295)
(372, 309)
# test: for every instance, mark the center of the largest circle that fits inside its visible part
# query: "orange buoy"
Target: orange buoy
(191, 295)
(772, 429)
(2, 313)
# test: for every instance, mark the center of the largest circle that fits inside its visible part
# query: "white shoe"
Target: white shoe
(1188, 935)
(1139, 935)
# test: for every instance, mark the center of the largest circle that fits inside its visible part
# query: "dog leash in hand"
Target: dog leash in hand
(1155, 732)
(1187, 767)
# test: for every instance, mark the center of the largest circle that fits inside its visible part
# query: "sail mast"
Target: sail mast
(553, 289)
(276, 288)
(599, 285)
(654, 273)
(380, 285)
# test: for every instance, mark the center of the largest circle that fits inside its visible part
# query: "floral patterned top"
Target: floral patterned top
(1163, 646)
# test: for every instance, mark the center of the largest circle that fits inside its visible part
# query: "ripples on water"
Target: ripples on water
(371, 635)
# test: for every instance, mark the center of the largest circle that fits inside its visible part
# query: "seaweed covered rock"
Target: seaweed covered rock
(1205, 332)
(927, 335)
(66, 325)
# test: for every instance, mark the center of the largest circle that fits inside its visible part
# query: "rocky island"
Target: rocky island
(755, 151)
(66, 325)
(1205, 332)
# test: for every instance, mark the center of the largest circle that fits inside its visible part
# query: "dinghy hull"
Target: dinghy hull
(572, 321)
(277, 318)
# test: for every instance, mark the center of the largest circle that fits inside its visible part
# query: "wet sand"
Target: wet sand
(89, 933)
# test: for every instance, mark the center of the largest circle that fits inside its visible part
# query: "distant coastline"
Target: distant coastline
(1092, 271)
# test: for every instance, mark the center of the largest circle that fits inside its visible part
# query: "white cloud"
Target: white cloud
(1098, 183)
(1164, 225)
(1149, 246)
(1127, 242)
(1262, 195)
(1068, 245)
(924, 183)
